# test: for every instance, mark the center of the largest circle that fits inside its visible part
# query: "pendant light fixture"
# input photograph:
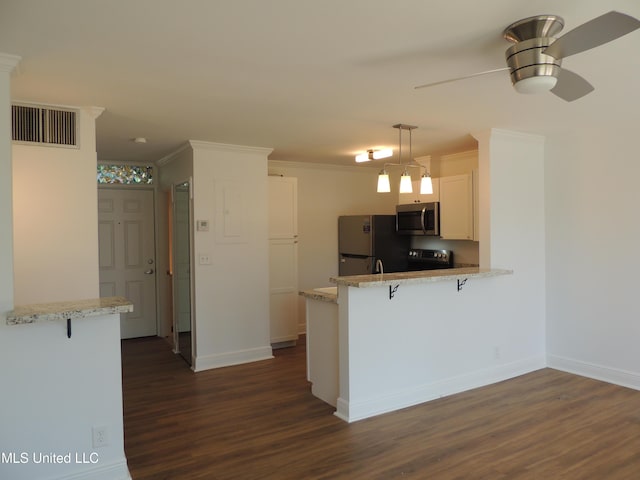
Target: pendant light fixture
(405, 182)
(426, 186)
(405, 179)
(384, 186)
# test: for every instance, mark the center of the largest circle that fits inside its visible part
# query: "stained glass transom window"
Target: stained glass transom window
(125, 174)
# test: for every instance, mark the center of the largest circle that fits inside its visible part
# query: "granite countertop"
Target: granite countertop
(324, 294)
(423, 276)
(68, 310)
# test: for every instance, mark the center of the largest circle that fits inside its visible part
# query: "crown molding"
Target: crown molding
(94, 112)
(225, 147)
(173, 155)
(9, 62)
(324, 166)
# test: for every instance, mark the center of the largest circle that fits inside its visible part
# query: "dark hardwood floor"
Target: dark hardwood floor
(260, 421)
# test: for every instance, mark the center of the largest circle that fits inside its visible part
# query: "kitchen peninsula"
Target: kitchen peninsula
(387, 341)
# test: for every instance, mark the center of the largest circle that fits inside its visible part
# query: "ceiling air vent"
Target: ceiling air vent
(44, 125)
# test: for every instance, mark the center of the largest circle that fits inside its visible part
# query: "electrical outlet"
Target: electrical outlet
(100, 437)
(204, 259)
(496, 353)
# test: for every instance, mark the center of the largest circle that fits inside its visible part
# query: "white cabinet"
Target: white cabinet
(283, 290)
(417, 197)
(283, 260)
(456, 207)
(283, 207)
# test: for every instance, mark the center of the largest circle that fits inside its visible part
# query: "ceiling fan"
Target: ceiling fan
(534, 60)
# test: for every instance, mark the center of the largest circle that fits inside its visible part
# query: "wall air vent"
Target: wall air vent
(44, 125)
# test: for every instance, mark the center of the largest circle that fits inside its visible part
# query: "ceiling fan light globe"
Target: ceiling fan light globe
(532, 85)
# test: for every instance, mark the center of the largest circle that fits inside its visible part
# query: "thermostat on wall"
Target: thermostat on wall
(202, 225)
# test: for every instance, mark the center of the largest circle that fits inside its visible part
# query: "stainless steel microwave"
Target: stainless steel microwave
(418, 219)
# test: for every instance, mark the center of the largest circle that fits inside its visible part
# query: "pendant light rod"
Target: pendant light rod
(400, 127)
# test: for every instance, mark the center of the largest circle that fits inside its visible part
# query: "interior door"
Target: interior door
(127, 255)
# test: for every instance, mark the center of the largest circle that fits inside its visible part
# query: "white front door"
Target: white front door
(127, 255)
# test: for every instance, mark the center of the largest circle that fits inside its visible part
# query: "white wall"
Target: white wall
(592, 237)
(56, 219)
(54, 390)
(512, 228)
(324, 193)
(7, 64)
(232, 292)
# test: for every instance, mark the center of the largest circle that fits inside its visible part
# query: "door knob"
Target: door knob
(149, 272)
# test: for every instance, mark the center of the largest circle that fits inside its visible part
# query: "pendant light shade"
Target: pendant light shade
(426, 186)
(405, 183)
(384, 186)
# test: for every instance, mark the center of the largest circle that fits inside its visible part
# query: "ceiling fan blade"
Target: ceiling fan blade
(571, 86)
(461, 78)
(593, 33)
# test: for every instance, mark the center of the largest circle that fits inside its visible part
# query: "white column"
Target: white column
(512, 226)
(7, 64)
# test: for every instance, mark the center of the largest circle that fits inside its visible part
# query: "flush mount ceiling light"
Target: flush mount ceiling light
(374, 155)
(405, 179)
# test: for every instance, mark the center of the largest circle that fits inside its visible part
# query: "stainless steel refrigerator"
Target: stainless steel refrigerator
(364, 239)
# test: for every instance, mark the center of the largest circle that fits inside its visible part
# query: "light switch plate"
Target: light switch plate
(202, 225)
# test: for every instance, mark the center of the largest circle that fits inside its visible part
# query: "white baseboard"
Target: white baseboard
(597, 372)
(232, 358)
(113, 471)
(351, 411)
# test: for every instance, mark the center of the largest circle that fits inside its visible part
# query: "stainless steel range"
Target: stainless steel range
(421, 259)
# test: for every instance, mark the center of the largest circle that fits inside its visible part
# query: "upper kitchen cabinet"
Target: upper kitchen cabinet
(417, 197)
(457, 207)
(283, 207)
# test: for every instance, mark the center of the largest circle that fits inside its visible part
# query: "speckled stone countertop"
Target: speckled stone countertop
(423, 276)
(325, 294)
(68, 310)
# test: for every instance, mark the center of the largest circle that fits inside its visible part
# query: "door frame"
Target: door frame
(174, 303)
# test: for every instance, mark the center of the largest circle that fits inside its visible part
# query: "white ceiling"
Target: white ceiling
(315, 80)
